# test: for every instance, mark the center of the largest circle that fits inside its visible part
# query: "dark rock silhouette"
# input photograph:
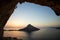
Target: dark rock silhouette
(29, 28)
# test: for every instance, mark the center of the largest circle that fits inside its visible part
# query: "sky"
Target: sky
(34, 14)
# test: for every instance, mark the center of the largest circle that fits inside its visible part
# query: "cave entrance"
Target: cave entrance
(8, 6)
(30, 13)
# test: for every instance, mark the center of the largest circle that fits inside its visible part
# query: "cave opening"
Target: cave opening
(51, 15)
(7, 7)
(30, 13)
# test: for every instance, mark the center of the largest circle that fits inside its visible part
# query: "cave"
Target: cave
(7, 7)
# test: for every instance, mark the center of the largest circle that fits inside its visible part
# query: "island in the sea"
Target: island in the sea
(29, 28)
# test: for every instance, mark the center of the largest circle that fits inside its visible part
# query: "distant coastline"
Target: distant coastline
(10, 30)
(42, 27)
(55, 27)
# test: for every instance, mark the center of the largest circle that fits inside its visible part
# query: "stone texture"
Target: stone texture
(7, 7)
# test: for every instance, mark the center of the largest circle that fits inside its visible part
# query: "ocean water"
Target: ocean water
(42, 34)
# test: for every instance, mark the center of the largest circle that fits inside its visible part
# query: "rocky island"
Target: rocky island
(29, 28)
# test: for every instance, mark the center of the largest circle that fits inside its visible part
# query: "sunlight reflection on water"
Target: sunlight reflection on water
(41, 34)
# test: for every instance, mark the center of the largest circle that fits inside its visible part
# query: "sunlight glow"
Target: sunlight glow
(37, 15)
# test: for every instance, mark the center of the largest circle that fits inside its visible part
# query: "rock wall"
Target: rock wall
(7, 7)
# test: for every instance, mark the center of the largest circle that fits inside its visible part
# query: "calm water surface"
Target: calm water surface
(42, 34)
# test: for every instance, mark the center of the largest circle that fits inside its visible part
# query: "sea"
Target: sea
(42, 34)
